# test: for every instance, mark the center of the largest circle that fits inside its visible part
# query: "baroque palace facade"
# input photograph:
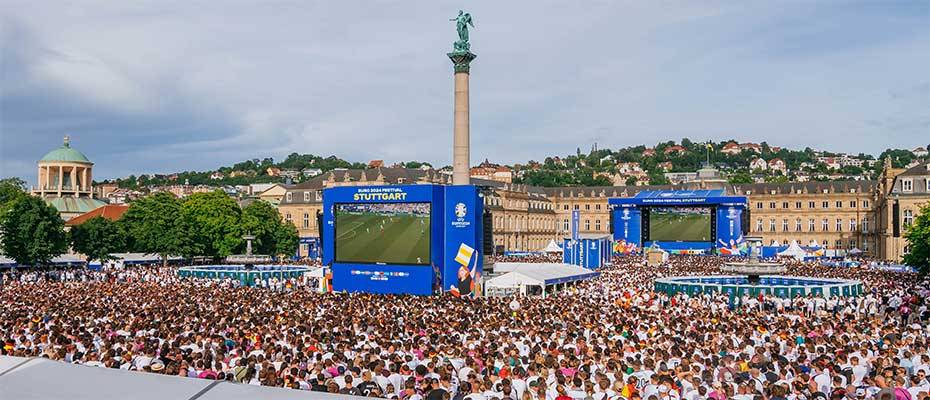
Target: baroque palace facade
(837, 215)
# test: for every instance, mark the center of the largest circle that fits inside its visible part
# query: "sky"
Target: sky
(164, 86)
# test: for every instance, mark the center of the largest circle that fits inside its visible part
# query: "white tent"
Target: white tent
(552, 247)
(814, 243)
(518, 277)
(776, 243)
(793, 250)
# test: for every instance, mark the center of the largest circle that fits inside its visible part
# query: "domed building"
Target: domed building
(64, 181)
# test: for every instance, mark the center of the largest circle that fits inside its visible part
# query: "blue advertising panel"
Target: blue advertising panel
(627, 230)
(462, 259)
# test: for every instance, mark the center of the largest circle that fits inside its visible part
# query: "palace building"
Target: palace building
(842, 215)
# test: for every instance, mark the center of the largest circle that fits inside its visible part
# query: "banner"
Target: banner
(462, 259)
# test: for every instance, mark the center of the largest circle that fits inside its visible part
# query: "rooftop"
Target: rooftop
(65, 153)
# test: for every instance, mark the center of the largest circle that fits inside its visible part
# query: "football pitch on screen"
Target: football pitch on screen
(374, 238)
(683, 227)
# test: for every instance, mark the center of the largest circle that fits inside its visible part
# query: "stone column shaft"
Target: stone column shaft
(460, 143)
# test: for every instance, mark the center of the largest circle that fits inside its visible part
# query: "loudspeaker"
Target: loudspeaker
(895, 219)
(644, 218)
(487, 233)
(745, 221)
(319, 228)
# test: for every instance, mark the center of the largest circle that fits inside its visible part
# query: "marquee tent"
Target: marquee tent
(793, 250)
(521, 277)
(552, 247)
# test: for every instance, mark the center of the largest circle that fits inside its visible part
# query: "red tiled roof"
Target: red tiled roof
(111, 212)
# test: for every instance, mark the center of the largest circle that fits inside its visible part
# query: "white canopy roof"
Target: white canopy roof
(39, 378)
(316, 272)
(793, 250)
(552, 247)
(534, 274)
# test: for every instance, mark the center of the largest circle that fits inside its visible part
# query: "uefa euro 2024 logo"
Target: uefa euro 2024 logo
(460, 210)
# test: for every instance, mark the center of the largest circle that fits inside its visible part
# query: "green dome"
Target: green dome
(65, 153)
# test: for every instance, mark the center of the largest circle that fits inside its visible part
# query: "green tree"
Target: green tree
(155, 224)
(286, 239)
(261, 220)
(918, 238)
(658, 178)
(31, 231)
(740, 178)
(214, 219)
(98, 238)
(631, 181)
(11, 189)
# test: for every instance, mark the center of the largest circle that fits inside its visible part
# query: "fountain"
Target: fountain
(754, 269)
(755, 277)
(248, 259)
(242, 268)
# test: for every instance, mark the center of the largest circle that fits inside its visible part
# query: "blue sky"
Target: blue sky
(175, 85)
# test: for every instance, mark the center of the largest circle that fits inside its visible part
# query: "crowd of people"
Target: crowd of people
(608, 338)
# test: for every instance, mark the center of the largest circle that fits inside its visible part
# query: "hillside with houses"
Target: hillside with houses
(663, 163)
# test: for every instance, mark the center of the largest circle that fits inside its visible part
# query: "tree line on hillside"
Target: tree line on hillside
(573, 170)
(201, 225)
(581, 168)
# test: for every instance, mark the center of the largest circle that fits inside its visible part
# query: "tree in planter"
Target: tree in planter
(31, 231)
(98, 238)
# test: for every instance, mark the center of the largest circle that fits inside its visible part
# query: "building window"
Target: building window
(797, 225)
(784, 204)
(575, 206)
(597, 206)
(839, 244)
(865, 225)
(826, 204)
(907, 185)
(865, 204)
(587, 207)
(825, 225)
(772, 225)
(852, 204)
(771, 204)
(759, 205)
(839, 204)
(759, 225)
(289, 197)
(908, 218)
(565, 225)
(784, 225)
(597, 224)
(306, 220)
(810, 225)
(306, 197)
(810, 204)
(852, 224)
(587, 225)
(287, 217)
(839, 224)
(565, 207)
(797, 204)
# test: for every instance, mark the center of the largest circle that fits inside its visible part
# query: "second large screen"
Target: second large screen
(686, 224)
(388, 233)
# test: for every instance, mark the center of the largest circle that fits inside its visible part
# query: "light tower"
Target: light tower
(461, 57)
